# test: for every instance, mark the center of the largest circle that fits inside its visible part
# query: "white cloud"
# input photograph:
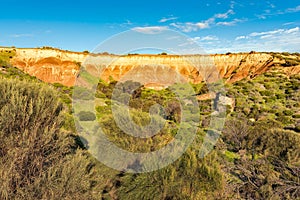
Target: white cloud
(202, 25)
(292, 30)
(232, 4)
(206, 39)
(270, 5)
(296, 9)
(254, 34)
(230, 23)
(273, 40)
(189, 26)
(280, 43)
(164, 19)
(195, 26)
(241, 37)
(224, 15)
(278, 40)
(268, 13)
(288, 23)
(269, 34)
(195, 39)
(274, 32)
(266, 36)
(262, 16)
(150, 29)
(126, 24)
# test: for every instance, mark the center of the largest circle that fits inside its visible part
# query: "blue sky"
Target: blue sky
(218, 26)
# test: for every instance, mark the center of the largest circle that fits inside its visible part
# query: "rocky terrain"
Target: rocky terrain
(155, 71)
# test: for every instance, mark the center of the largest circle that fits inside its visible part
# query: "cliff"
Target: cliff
(54, 65)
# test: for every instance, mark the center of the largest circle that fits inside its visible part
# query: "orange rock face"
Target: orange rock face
(51, 65)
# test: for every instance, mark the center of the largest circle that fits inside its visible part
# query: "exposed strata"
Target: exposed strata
(54, 65)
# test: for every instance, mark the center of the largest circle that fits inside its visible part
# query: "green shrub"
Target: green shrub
(285, 119)
(231, 156)
(280, 96)
(82, 93)
(296, 115)
(39, 159)
(266, 93)
(288, 112)
(285, 53)
(29, 131)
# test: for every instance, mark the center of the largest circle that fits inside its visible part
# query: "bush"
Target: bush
(82, 93)
(266, 93)
(291, 62)
(288, 112)
(29, 131)
(285, 53)
(37, 159)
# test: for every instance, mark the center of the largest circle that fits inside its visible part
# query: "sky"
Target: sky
(218, 26)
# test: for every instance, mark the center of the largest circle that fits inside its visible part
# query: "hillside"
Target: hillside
(58, 66)
(45, 156)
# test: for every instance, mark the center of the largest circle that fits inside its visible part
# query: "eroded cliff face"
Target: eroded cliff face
(49, 65)
(52, 65)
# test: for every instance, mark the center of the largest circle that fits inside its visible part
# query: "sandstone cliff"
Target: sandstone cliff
(53, 65)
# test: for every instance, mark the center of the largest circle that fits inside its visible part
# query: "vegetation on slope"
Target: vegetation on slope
(39, 158)
(265, 150)
(5, 56)
(256, 157)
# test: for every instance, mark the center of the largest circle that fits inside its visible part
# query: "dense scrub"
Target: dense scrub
(261, 137)
(38, 158)
(256, 157)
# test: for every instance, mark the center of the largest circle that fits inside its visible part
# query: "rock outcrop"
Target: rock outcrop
(54, 65)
